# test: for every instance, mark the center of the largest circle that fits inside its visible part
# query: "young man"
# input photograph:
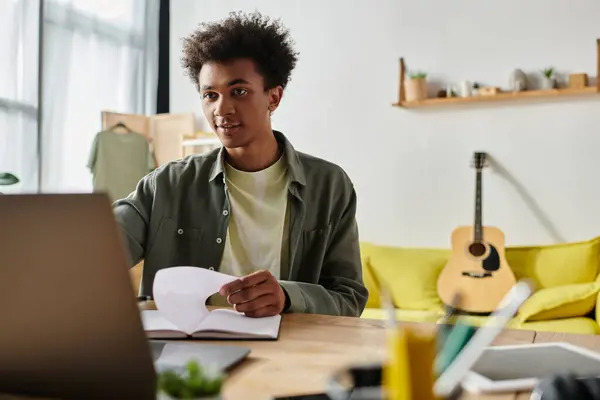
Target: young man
(281, 220)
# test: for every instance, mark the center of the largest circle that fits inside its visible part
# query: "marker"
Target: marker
(448, 320)
(446, 324)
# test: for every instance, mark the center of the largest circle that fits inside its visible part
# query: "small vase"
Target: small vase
(518, 81)
(548, 83)
(465, 89)
(415, 89)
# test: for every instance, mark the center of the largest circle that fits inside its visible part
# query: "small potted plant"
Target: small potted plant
(415, 87)
(195, 384)
(7, 179)
(548, 79)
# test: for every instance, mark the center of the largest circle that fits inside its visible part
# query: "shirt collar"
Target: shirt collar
(296, 171)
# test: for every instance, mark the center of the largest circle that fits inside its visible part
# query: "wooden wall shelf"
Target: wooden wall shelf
(503, 96)
(499, 97)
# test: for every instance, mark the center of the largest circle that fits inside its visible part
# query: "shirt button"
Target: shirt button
(219, 240)
(225, 212)
(180, 231)
(211, 268)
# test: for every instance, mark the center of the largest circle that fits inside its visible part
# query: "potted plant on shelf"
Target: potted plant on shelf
(7, 179)
(195, 384)
(548, 79)
(415, 87)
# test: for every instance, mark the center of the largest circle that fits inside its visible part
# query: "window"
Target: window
(97, 55)
(19, 92)
(109, 11)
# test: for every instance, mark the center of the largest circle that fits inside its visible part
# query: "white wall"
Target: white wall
(412, 168)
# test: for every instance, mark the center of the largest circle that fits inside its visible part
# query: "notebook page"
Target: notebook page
(153, 321)
(180, 294)
(233, 321)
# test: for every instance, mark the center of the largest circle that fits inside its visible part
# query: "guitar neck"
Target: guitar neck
(478, 235)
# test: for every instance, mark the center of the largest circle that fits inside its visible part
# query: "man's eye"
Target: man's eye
(209, 95)
(239, 92)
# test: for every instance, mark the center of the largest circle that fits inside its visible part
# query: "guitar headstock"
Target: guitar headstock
(479, 160)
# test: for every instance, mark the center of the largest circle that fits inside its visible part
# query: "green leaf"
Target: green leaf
(417, 75)
(193, 383)
(213, 386)
(171, 383)
(8, 179)
(548, 72)
(196, 385)
(194, 370)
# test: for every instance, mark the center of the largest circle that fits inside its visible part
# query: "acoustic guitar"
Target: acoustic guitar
(477, 271)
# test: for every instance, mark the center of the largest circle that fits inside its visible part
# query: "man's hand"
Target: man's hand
(256, 295)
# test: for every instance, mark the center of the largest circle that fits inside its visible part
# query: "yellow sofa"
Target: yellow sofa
(566, 278)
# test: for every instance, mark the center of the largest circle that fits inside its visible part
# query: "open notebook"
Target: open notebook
(219, 324)
(180, 294)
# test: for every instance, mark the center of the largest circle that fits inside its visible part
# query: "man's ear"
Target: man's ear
(275, 95)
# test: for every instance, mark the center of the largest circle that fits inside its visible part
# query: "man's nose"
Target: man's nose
(224, 107)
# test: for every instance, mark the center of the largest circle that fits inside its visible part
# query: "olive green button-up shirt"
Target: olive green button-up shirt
(178, 216)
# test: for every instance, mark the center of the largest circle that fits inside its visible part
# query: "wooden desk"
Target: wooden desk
(312, 347)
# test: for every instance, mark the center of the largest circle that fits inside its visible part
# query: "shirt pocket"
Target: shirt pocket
(175, 245)
(314, 248)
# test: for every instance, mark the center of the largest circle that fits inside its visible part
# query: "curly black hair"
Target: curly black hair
(267, 42)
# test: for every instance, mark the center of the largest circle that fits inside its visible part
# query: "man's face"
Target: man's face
(235, 102)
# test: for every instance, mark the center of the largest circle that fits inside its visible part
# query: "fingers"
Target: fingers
(256, 295)
(249, 294)
(256, 304)
(252, 279)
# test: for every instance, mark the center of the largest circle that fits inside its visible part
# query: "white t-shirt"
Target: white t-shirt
(257, 233)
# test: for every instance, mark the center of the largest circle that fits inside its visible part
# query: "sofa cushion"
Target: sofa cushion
(579, 325)
(597, 313)
(556, 265)
(560, 302)
(410, 273)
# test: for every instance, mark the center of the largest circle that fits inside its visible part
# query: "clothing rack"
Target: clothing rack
(173, 136)
(135, 122)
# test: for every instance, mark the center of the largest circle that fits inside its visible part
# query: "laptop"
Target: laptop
(71, 327)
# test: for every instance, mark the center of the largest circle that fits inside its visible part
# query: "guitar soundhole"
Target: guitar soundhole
(477, 249)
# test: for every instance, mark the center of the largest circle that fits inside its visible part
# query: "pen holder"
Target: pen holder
(409, 371)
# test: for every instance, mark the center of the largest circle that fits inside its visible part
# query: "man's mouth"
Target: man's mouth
(228, 129)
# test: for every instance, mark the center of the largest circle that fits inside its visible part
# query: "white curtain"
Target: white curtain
(98, 55)
(19, 92)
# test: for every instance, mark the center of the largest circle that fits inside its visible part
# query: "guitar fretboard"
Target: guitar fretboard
(478, 222)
